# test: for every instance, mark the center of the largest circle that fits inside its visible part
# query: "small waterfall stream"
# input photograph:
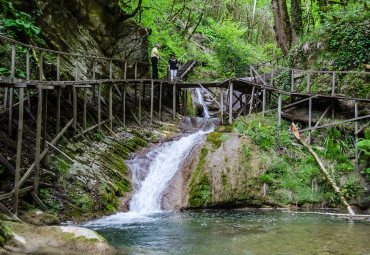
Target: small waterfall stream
(152, 173)
(203, 103)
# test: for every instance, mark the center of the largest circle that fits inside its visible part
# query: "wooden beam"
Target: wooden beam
(263, 102)
(38, 201)
(19, 151)
(57, 151)
(110, 106)
(356, 129)
(7, 164)
(59, 96)
(38, 145)
(9, 213)
(337, 123)
(251, 102)
(309, 119)
(99, 106)
(279, 109)
(74, 90)
(318, 122)
(90, 128)
(222, 105)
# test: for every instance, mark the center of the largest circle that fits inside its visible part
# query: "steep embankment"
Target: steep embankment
(252, 163)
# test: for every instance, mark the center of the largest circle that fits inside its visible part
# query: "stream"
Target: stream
(147, 229)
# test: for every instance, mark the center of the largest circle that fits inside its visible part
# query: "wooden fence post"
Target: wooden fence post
(135, 70)
(279, 110)
(99, 106)
(308, 82)
(110, 70)
(76, 69)
(110, 106)
(222, 105)
(11, 94)
(125, 71)
(38, 142)
(292, 82)
(19, 150)
(309, 119)
(252, 98)
(231, 104)
(74, 91)
(85, 109)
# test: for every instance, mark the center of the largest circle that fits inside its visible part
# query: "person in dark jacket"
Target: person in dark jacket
(173, 65)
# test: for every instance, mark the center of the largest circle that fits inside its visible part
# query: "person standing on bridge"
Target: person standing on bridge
(155, 56)
(173, 65)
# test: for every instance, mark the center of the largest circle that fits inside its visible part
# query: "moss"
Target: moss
(5, 233)
(200, 195)
(215, 139)
(202, 160)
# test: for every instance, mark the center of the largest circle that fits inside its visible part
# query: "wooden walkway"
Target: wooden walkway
(251, 93)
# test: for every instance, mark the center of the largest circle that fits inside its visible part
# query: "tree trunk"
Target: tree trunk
(296, 14)
(282, 25)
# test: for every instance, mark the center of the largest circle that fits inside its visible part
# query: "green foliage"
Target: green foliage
(215, 139)
(16, 23)
(265, 178)
(350, 190)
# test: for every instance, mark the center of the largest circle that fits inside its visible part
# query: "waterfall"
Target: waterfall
(164, 163)
(151, 174)
(201, 101)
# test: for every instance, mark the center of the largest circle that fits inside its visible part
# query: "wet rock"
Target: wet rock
(27, 237)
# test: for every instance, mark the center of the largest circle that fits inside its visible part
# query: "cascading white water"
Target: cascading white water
(165, 161)
(201, 101)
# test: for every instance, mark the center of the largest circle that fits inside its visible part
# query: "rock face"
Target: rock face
(218, 174)
(90, 27)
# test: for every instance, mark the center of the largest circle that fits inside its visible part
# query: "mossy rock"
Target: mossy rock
(40, 218)
(215, 139)
(5, 233)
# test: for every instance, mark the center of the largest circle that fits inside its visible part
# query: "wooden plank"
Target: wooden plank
(362, 128)
(9, 213)
(42, 155)
(19, 151)
(10, 194)
(174, 101)
(7, 164)
(135, 70)
(333, 85)
(279, 109)
(41, 72)
(214, 100)
(272, 77)
(231, 104)
(151, 101)
(125, 71)
(337, 123)
(38, 201)
(28, 73)
(10, 123)
(38, 143)
(99, 107)
(90, 129)
(292, 104)
(160, 101)
(292, 82)
(308, 82)
(6, 92)
(251, 102)
(57, 151)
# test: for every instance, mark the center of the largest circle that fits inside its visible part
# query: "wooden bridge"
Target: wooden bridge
(246, 94)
